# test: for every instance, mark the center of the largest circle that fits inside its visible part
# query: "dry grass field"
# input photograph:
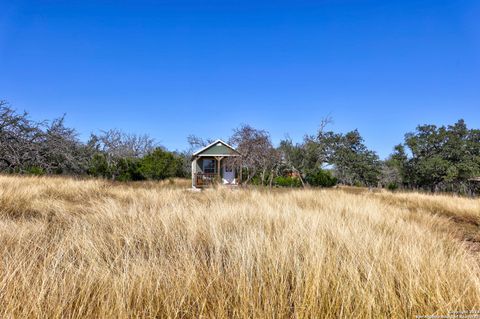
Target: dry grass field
(95, 249)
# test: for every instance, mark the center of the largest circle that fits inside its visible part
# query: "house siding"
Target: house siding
(219, 150)
(199, 165)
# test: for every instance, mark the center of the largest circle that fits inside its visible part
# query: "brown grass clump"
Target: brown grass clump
(95, 249)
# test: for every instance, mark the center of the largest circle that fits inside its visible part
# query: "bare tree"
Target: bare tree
(26, 145)
(197, 142)
(61, 150)
(309, 155)
(258, 153)
(118, 148)
(19, 139)
(118, 144)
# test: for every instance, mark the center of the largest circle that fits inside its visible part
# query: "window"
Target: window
(228, 169)
(209, 166)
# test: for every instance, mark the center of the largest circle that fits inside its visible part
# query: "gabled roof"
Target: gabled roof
(217, 142)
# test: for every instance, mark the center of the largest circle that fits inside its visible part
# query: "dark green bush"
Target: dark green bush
(288, 181)
(160, 164)
(157, 165)
(321, 178)
(255, 180)
(358, 184)
(392, 186)
(35, 170)
(99, 166)
(128, 169)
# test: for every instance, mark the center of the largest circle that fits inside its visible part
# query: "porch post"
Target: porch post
(240, 172)
(194, 172)
(218, 158)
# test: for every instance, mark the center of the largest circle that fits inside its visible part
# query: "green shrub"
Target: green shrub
(99, 167)
(321, 178)
(392, 186)
(288, 181)
(35, 170)
(157, 165)
(128, 170)
(255, 180)
(160, 164)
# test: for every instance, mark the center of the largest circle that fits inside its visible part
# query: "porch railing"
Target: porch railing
(206, 179)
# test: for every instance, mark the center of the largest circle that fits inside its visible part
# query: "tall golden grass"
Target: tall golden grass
(95, 249)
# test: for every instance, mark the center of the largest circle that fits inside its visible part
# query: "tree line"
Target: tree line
(32, 147)
(432, 158)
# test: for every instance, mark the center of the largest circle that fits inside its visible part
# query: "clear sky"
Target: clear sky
(174, 68)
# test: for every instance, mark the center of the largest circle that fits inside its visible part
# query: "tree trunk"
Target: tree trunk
(299, 175)
(271, 179)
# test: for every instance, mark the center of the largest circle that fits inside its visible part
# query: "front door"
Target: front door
(228, 174)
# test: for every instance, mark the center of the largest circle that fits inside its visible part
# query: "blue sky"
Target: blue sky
(174, 68)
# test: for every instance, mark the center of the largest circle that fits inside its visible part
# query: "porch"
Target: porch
(206, 179)
(207, 171)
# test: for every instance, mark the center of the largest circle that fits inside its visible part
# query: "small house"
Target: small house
(216, 163)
